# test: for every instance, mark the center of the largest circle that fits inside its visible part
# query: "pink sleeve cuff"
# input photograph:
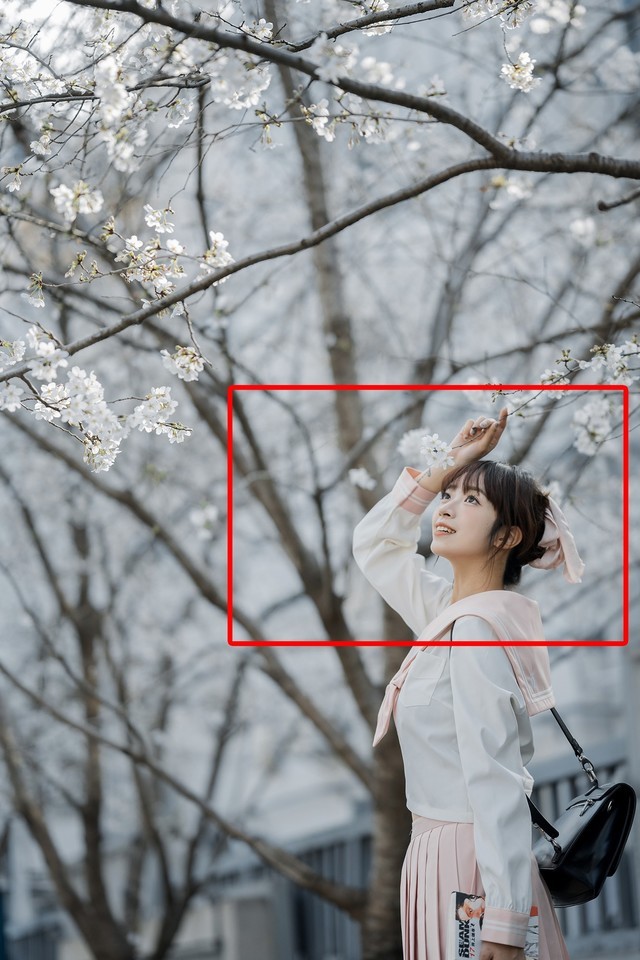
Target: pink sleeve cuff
(408, 493)
(505, 926)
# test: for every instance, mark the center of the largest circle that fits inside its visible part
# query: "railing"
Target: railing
(39, 945)
(323, 932)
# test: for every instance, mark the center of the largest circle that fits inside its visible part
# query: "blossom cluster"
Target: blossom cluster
(436, 453)
(121, 115)
(365, 123)
(186, 362)
(553, 13)
(519, 75)
(79, 402)
(333, 60)
(511, 12)
(154, 262)
(541, 15)
(593, 424)
(216, 255)
(70, 201)
(613, 363)
(129, 78)
(143, 263)
(509, 190)
(376, 6)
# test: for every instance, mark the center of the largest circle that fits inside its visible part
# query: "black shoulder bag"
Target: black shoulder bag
(584, 847)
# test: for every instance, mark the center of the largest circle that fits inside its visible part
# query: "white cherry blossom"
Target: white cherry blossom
(157, 219)
(519, 75)
(317, 114)
(435, 452)
(153, 413)
(100, 454)
(13, 185)
(333, 59)
(70, 201)
(11, 352)
(583, 230)
(238, 81)
(553, 13)
(376, 71)
(10, 395)
(216, 255)
(377, 6)
(42, 146)
(592, 425)
(360, 477)
(48, 359)
(410, 445)
(261, 29)
(512, 13)
(205, 521)
(186, 362)
(178, 111)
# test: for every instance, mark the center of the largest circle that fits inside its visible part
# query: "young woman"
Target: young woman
(462, 712)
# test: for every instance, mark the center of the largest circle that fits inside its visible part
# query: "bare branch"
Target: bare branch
(508, 157)
(346, 898)
(371, 19)
(286, 250)
(612, 204)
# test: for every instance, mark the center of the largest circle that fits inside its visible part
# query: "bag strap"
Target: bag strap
(540, 821)
(587, 766)
(536, 816)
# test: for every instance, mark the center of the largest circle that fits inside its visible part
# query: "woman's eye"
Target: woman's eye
(470, 496)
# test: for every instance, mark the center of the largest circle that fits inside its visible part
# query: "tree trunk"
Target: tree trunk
(391, 825)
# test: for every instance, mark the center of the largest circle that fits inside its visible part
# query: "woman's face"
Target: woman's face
(472, 908)
(468, 517)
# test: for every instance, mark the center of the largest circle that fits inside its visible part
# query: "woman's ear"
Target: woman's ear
(513, 539)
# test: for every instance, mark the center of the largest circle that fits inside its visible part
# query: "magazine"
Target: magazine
(464, 935)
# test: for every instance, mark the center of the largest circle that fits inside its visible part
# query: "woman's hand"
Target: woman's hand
(475, 439)
(500, 951)
(478, 437)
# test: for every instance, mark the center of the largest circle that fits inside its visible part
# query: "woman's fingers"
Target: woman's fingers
(481, 434)
(498, 426)
(493, 427)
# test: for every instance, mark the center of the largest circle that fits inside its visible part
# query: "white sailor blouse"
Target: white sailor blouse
(462, 714)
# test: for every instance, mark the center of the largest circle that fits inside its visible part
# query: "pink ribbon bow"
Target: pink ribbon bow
(560, 547)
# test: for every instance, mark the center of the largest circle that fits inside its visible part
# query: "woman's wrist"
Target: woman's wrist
(434, 480)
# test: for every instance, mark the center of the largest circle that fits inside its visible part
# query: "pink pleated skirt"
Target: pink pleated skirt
(441, 858)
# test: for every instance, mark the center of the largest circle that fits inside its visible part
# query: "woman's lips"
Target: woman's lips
(443, 532)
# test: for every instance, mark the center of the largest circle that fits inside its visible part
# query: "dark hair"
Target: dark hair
(518, 501)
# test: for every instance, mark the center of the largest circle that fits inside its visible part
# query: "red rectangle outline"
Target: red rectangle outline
(458, 387)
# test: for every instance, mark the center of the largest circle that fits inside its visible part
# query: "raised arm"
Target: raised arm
(385, 546)
(385, 541)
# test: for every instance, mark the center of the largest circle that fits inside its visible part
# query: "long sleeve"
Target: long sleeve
(385, 548)
(490, 719)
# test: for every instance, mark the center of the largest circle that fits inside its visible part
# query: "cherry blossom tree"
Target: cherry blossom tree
(282, 193)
